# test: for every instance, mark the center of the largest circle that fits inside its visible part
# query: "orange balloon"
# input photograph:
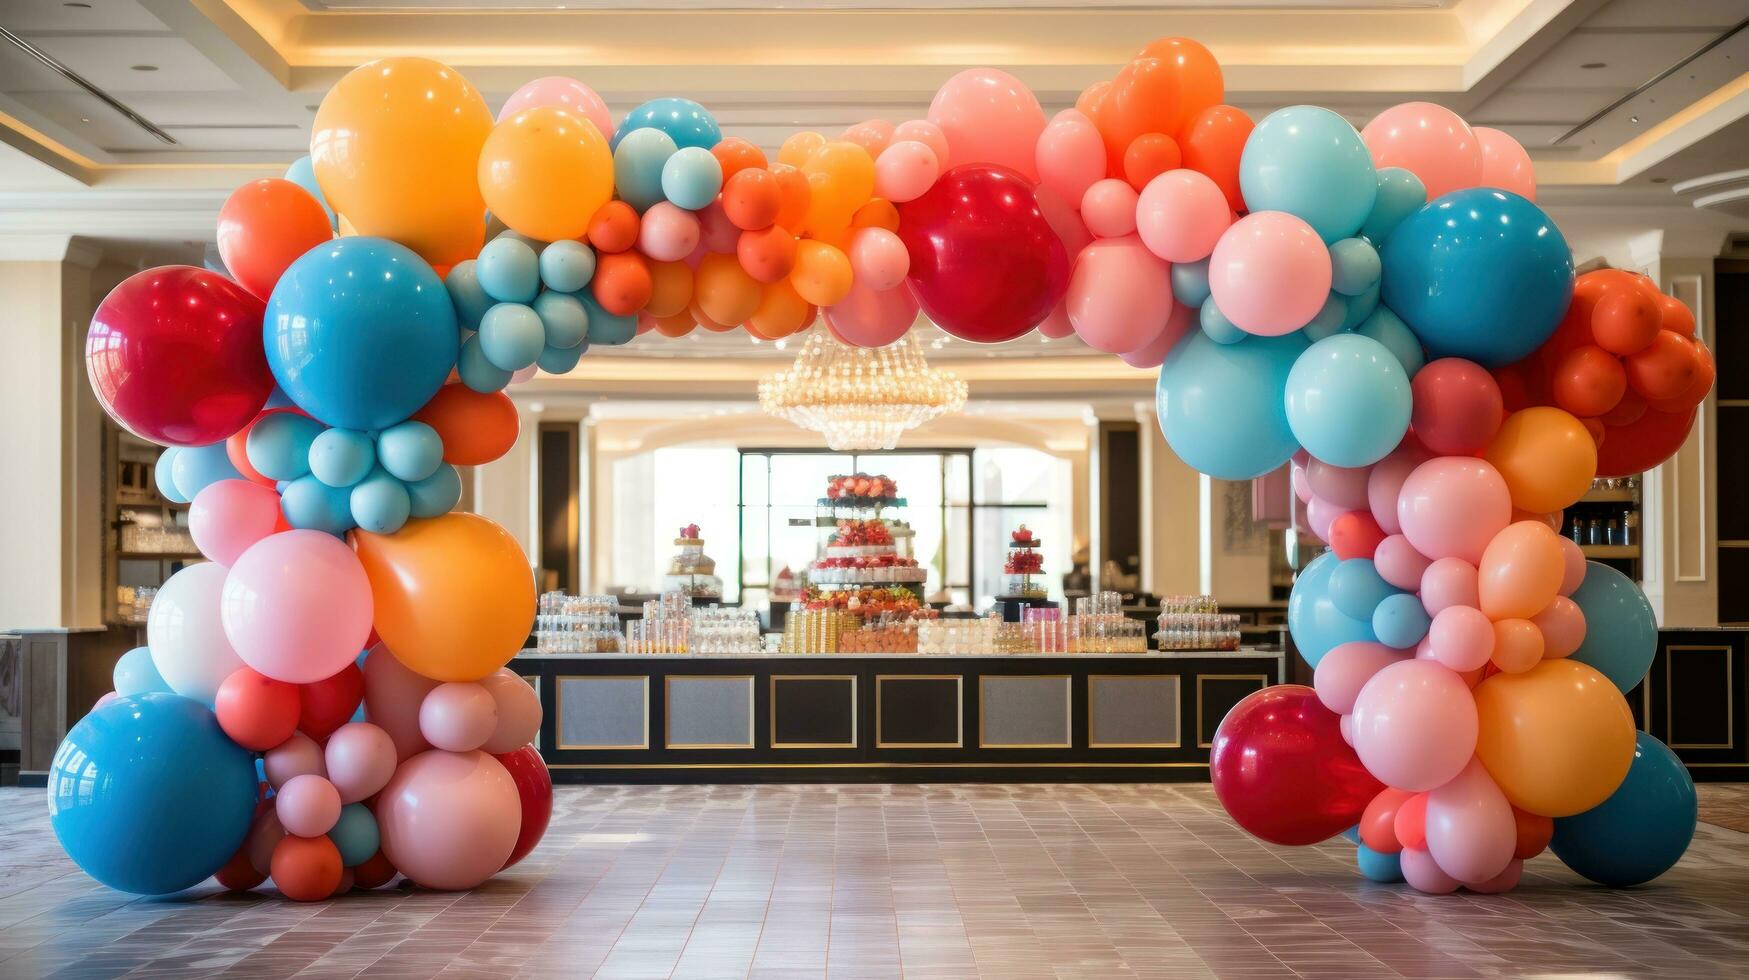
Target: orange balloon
(1677, 318)
(306, 869)
(794, 193)
(454, 595)
(476, 428)
(795, 150)
(670, 290)
(394, 147)
(622, 283)
(1521, 571)
(877, 213)
(735, 154)
(265, 226)
(1518, 645)
(1212, 143)
(1696, 392)
(782, 311)
(769, 255)
(1092, 96)
(1546, 456)
(1150, 155)
(723, 291)
(1558, 738)
(1665, 368)
(614, 228)
(677, 325)
(872, 135)
(1378, 824)
(1534, 831)
(822, 274)
(1411, 823)
(1196, 72)
(841, 177)
(751, 199)
(1627, 313)
(544, 172)
(1589, 381)
(697, 315)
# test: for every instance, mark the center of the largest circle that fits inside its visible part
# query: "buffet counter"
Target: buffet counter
(845, 717)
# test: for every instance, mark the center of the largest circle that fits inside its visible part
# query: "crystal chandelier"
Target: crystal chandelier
(860, 398)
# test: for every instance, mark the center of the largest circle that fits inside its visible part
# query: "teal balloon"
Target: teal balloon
(638, 160)
(1378, 866)
(476, 371)
(1354, 266)
(560, 360)
(341, 457)
(691, 178)
(1314, 622)
(508, 270)
(564, 318)
(278, 445)
(1621, 635)
(410, 451)
(511, 336)
(1220, 405)
(607, 329)
(164, 475)
(1400, 194)
(309, 503)
(355, 835)
(1388, 329)
(1348, 400)
(567, 266)
(1644, 827)
(194, 468)
(436, 494)
(683, 121)
(302, 172)
(1400, 621)
(1357, 588)
(1329, 318)
(1216, 325)
(466, 294)
(380, 503)
(136, 674)
(1190, 283)
(1360, 307)
(1311, 163)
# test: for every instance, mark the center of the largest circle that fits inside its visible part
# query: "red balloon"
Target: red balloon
(374, 873)
(239, 874)
(1283, 771)
(1411, 822)
(1378, 825)
(175, 355)
(256, 712)
(985, 264)
(329, 703)
(1355, 535)
(1458, 406)
(534, 784)
(1644, 443)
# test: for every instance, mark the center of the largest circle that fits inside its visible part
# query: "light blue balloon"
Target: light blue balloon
(1481, 274)
(684, 121)
(1378, 866)
(1400, 195)
(465, 292)
(691, 178)
(567, 266)
(638, 160)
(380, 503)
(560, 360)
(478, 373)
(1354, 266)
(1329, 318)
(147, 794)
(164, 475)
(278, 446)
(1314, 622)
(436, 494)
(508, 270)
(1220, 406)
(511, 336)
(136, 674)
(1644, 827)
(1348, 400)
(1621, 635)
(194, 468)
(1360, 307)
(1190, 283)
(1357, 588)
(1311, 163)
(410, 451)
(342, 457)
(360, 332)
(607, 329)
(1216, 325)
(302, 172)
(1400, 621)
(355, 835)
(1389, 330)
(564, 317)
(307, 502)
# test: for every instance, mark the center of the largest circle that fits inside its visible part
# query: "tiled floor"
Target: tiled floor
(879, 881)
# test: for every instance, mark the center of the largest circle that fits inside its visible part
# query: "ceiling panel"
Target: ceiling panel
(20, 72)
(1661, 14)
(286, 140)
(1627, 59)
(635, 5)
(1516, 105)
(108, 62)
(109, 16)
(87, 118)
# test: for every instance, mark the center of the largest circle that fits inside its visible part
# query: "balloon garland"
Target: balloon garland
(1386, 309)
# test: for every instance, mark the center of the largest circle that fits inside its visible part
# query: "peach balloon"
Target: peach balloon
(905, 170)
(1521, 571)
(1461, 638)
(1518, 645)
(449, 820)
(1558, 738)
(1546, 456)
(1431, 142)
(1449, 582)
(392, 696)
(519, 712)
(1181, 215)
(1452, 506)
(1562, 625)
(988, 116)
(1070, 155)
(1109, 208)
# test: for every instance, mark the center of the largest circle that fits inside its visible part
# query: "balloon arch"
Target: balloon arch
(1386, 309)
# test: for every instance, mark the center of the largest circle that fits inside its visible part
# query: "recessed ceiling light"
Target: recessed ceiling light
(83, 119)
(1633, 119)
(1594, 65)
(145, 67)
(312, 108)
(1660, 180)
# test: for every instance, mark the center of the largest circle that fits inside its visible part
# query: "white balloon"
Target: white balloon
(186, 636)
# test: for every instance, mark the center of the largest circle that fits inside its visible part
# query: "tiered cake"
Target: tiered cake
(862, 550)
(1025, 565)
(691, 571)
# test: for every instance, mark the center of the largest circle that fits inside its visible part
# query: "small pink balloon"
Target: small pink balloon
(1181, 322)
(905, 171)
(265, 833)
(360, 758)
(1563, 627)
(449, 820)
(878, 258)
(1181, 215)
(1320, 514)
(1415, 725)
(458, 716)
(1452, 506)
(564, 93)
(1301, 483)
(1070, 155)
(1384, 484)
(392, 696)
(668, 233)
(1471, 833)
(294, 757)
(1461, 638)
(1450, 582)
(1056, 326)
(925, 132)
(1344, 486)
(1573, 566)
(988, 116)
(1345, 726)
(1120, 295)
(308, 806)
(1109, 208)
(867, 318)
(519, 711)
(1505, 164)
(1398, 563)
(1423, 873)
(1344, 670)
(1065, 220)
(527, 374)
(716, 233)
(1270, 273)
(1430, 141)
(872, 135)
(227, 516)
(296, 606)
(1505, 881)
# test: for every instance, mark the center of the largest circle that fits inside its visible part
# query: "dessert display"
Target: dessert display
(1024, 566)
(785, 587)
(861, 490)
(862, 549)
(691, 572)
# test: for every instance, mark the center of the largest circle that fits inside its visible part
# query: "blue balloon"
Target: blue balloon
(466, 293)
(1355, 266)
(1360, 307)
(1389, 330)
(1400, 195)
(1311, 163)
(565, 318)
(560, 360)
(410, 451)
(355, 835)
(302, 172)
(1357, 588)
(149, 796)
(380, 503)
(508, 270)
(1644, 827)
(511, 336)
(1216, 325)
(309, 503)
(691, 178)
(1621, 635)
(1348, 400)
(436, 494)
(164, 475)
(607, 329)
(135, 673)
(1329, 318)
(195, 467)
(1481, 274)
(1378, 866)
(1314, 622)
(567, 266)
(684, 121)
(360, 333)
(638, 160)
(342, 457)
(478, 373)
(1400, 621)
(278, 446)
(1190, 282)
(1220, 406)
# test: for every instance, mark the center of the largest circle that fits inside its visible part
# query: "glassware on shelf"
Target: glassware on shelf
(1196, 623)
(725, 630)
(577, 624)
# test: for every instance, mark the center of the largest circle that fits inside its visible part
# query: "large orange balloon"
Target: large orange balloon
(1546, 456)
(395, 147)
(1558, 738)
(544, 172)
(476, 428)
(265, 226)
(454, 595)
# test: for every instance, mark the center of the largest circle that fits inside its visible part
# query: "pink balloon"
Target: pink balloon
(866, 318)
(1109, 208)
(716, 233)
(1573, 571)
(1070, 155)
(1065, 220)
(361, 758)
(668, 233)
(1505, 881)
(1450, 582)
(1423, 873)
(1431, 142)
(527, 374)
(294, 757)
(927, 133)
(265, 833)
(988, 116)
(227, 516)
(1470, 830)
(1384, 484)
(1345, 726)
(1505, 164)
(458, 716)
(1398, 563)
(905, 170)
(1341, 485)
(878, 259)
(565, 93)
(1270, 273)
(449, 820)
(1344, 670)
(392, 695)
(1320, 514)
(1057, 325)
(519, 711)
(1302, 484)
(1457, 406)
(1120, 295)
(308, 806)
(1415, 725)
(1181, 322)
(1563, 627)
(1181, 215)
(872, 135)
(297, 606)
(1452, 506)
(1461, 638)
